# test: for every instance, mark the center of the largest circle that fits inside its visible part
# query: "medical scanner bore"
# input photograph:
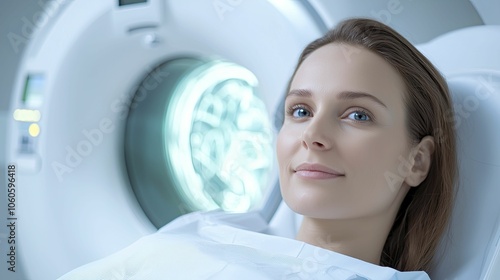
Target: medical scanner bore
(71, 84)
(85, 189)
(198, 138)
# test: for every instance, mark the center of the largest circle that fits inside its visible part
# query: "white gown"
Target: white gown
(196, 246)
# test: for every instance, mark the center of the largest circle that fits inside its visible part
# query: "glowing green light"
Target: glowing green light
(219, 138)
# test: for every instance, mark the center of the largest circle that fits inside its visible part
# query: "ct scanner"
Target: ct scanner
(127, 114)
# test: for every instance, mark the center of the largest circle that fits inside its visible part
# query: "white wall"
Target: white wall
(417, 20)
(489, 10)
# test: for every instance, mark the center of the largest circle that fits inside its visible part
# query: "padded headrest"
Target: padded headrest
(466, 250)
(469, 58)
(476, 47)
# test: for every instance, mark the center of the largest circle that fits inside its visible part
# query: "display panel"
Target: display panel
(33, 90)
(130, 2)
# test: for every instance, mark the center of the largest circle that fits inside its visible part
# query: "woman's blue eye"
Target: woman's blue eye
(360, 116)
(300, 113)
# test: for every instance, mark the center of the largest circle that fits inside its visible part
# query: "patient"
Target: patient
(366, 151)
(366, 155)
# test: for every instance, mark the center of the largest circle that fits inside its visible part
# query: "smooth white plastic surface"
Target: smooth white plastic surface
(465, 49)
(470, 60)
(468, 248)
(74, 189)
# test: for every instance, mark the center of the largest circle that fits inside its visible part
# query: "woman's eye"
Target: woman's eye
(359, 116)
(298, 111)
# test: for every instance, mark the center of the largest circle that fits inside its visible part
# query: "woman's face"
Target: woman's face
(344, 115)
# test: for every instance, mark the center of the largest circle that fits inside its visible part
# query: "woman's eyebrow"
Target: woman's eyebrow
(347, 95)
(344, 95)
(299, 92)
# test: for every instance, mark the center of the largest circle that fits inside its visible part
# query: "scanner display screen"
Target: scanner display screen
(130, 2)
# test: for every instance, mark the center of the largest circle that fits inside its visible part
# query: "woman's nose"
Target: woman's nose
(317, 136)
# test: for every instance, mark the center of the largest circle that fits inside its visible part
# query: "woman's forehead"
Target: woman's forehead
(339, 68)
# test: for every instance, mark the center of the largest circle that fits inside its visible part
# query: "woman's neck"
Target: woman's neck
(363, 239)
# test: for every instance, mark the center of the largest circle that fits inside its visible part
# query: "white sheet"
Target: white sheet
(198, 246)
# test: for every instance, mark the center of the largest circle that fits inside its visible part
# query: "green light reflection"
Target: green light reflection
(219, 138)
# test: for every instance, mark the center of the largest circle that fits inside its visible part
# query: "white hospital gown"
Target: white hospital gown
(196, 247)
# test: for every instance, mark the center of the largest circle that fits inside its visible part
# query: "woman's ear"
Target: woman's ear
(421, 158)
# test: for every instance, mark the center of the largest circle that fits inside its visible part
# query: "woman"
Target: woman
(365, 156)
(365, 152)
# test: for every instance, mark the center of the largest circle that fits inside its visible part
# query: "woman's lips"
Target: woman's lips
(316, 171)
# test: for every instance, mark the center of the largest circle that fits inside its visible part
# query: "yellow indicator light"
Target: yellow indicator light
(34, 130)
(27, 115)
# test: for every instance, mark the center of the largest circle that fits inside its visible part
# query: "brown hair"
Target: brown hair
(425, 211)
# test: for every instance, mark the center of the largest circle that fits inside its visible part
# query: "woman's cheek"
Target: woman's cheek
(369, 157)
(360, 148)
